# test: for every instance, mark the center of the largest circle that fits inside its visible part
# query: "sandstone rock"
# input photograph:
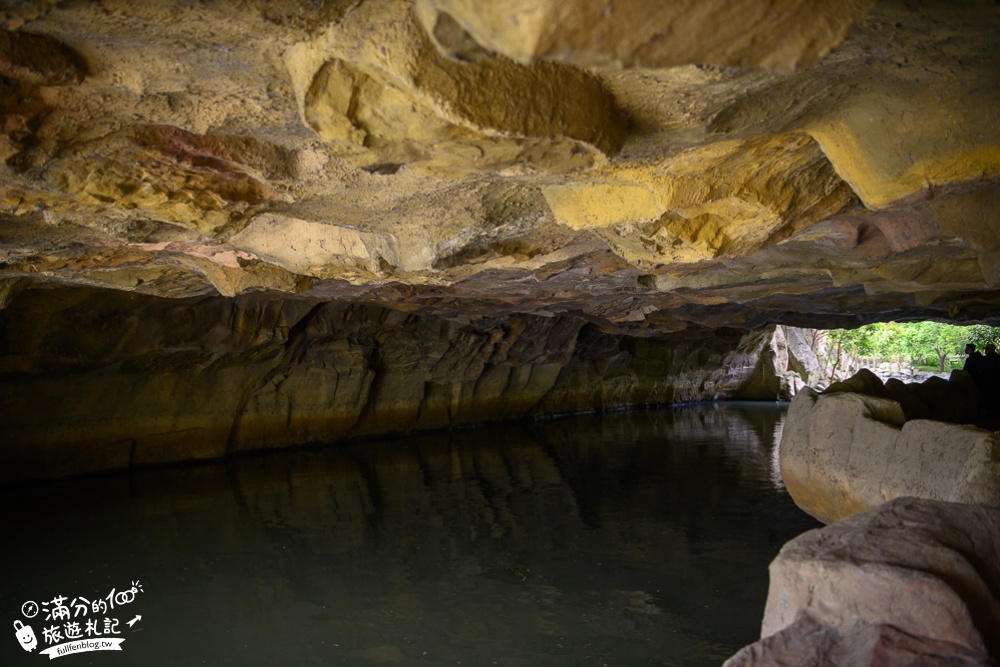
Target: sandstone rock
(711, 164)
(202, 182)
(770, 361)
(910, 582)
(639, 171)
(863, 382)
(643, 34)
(416, 99)
(808, 642)
(802, 359)
(39, 59)
(662, 215)
(844, 452)
(313, 248)
(154, 381)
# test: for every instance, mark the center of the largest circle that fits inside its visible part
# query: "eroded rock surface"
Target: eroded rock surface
(854, 447)
(913, 582)
(636, 169)
(105, 383)
(643, 34)
(680, 164)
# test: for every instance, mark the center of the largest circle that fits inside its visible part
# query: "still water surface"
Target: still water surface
(631, 539)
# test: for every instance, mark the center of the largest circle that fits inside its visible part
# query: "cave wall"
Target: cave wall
(91, 380)
(430, 213)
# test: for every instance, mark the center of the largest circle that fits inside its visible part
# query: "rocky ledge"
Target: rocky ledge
(860, 443)
(913, 582)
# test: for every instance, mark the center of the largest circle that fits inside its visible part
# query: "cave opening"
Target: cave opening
(934, 370)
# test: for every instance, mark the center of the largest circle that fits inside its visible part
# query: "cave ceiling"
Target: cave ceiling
(641, 164)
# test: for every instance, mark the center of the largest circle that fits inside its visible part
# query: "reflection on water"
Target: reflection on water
(637, 538)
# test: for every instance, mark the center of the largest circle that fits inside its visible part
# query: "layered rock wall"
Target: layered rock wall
(90, 381)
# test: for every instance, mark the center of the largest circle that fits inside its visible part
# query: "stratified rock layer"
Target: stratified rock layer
(852, 448)
(146, 380)
(913, 582)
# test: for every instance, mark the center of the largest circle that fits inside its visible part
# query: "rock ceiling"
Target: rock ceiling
(640, 164)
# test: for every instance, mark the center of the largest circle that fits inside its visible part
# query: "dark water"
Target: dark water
(630, 539)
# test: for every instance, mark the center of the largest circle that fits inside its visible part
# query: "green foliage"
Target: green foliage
(980, 335)
(919, 343)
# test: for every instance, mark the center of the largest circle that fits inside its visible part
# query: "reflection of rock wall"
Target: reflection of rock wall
(622, 525)
(854, 447)
(912, 582)
(92, 381)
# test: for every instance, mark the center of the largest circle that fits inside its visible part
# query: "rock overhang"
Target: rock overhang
(647, 168)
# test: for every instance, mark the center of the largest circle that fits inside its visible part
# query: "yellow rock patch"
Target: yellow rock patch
(313, 248)
(729, 198)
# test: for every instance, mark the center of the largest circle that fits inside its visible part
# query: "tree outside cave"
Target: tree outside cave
(899, 348)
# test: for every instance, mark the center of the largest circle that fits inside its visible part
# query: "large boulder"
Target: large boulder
(843, 452)
(913, 582)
